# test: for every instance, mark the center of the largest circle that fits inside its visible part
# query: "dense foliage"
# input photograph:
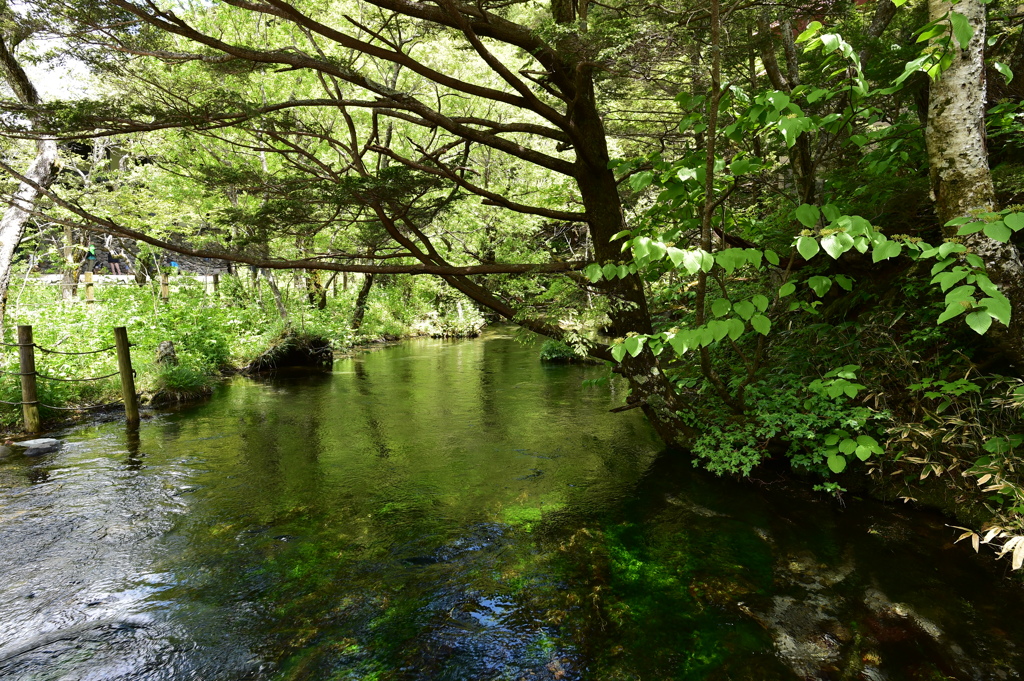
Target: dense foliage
(777, 223)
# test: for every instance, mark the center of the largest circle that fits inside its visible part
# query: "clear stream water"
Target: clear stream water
(456, 510)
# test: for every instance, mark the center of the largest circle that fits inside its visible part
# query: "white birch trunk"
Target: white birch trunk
(958, 158)
(22, 202)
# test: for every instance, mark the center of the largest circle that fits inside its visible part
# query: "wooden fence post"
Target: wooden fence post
(124, 366)
(29, 396)
(90, 298)
(216, 282)
(165, 289)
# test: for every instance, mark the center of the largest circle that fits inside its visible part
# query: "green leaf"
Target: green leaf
(618, 352)
(980, 321)
(837, 463)
(623, 271)
(610, 271)
(634, 344)
(1014, 221)
(656, 250)
(593, 272)
(951, 311)
(962, 29)
(720, 307)
(847, 446)
(970, 228)
(960, 293)
(820, 285)
(998, 231)
(744, 309)
(772, 257)
(640, 245)
(845, 282)
(760, 302)
(1005, 70)
(862, 452)
(837, 244)
(641, 180)
(787, 289)
(808, 215)
(885, 250)
(676, 255)
(950, 247)
(998, 308)
(707, 261)
(761, 324)
(736, 328)
(682, 341)
(807, 246)
(832, 440)
(830, 212)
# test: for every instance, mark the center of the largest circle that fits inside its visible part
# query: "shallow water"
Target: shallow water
(456, 510)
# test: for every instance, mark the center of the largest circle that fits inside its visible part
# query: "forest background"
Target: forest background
(791, 229)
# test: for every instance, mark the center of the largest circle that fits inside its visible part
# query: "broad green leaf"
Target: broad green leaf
(736, 328)
(945, 280)
(610, 270)
(998, 231)
(593, 272)
(641, 180)
(618, 352)
(682, 342)
(786, 289)
(847, 446)
(640, 247)
(960, 293)
(830, 212)
(998, 308)
(970, 228)
(744, 309)
(772, 257)
(720, 307)
(867, 441)
(979, 320)
(761, 324)
(951, 311)
(656, 251)
(862, 452)
(837, 463)
(676, 255)
(623, 271)
(807, 247)
(692, 261)
(832, 440)
(705, 336)
(837, 244)
(986, 285)
(820, 285)
(760, 302)
(845, 282)
(886, 250)
(719, 329)
(962, 29)
(1014, 221)
(808, 215)
(707, 261)
(950, 247)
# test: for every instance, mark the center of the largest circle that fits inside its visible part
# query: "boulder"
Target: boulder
(166, 355)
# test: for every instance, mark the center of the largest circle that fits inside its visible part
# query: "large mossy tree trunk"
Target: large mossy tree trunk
(361, 299)
(958, 159)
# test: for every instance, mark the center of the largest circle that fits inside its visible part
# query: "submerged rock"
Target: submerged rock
(43, 445)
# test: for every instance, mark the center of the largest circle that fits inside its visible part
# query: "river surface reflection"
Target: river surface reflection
(456, 510)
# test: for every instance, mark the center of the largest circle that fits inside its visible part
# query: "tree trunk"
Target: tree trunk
(958, 160)
(12, 225)
(364, 294)
(41, 173)
(281, 309)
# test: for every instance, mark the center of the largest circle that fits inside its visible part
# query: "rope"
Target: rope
(95, 406)
(58, 352)
(90, 352)
(73, 380)
(16, 404)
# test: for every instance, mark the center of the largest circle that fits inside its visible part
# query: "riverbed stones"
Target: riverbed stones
(42, 445)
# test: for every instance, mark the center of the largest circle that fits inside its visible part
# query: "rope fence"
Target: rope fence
(30, 403)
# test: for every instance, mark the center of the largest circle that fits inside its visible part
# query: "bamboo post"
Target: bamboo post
(29, 396)
(90, 298)
(165, 288)
(124, 366)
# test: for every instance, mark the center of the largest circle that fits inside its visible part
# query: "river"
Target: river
(457, 510)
